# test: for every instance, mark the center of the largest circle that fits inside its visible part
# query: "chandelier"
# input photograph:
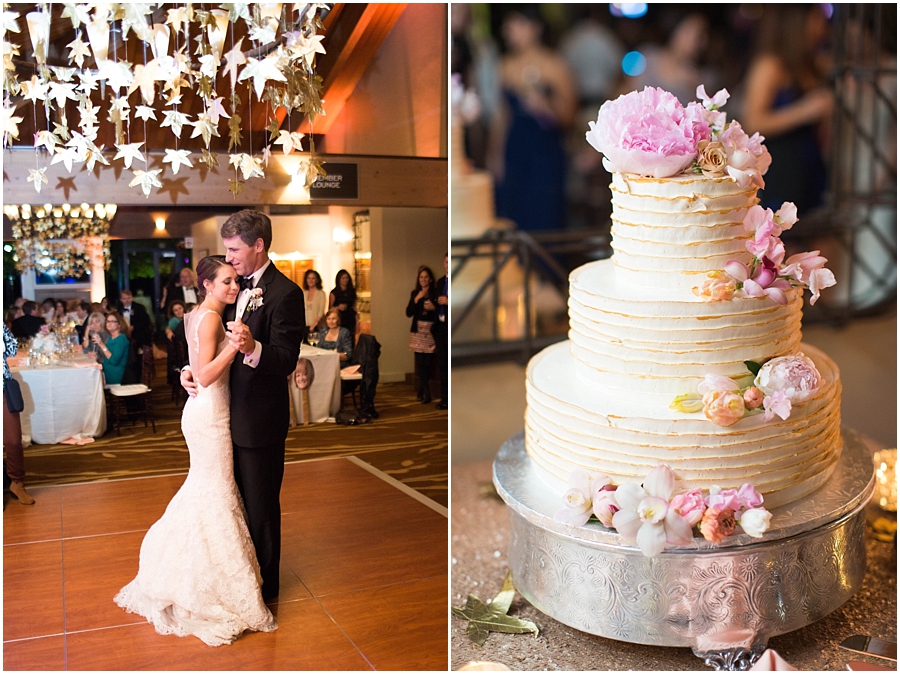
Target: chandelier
(62, 240)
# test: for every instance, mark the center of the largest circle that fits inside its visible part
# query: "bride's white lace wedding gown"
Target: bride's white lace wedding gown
(198, 573)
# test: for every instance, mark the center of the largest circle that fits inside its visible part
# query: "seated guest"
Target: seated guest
(176, 315)
(82, 313)
(114, 351)
(95, 325)
(48, 309)
(335, 338)
(28, 325)
(11, 315)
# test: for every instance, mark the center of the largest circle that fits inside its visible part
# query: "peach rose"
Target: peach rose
(723, 408)
(753, 398)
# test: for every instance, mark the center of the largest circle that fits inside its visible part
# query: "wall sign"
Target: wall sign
(342, 182)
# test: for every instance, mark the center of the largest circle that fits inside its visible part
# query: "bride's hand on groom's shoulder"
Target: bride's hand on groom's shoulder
(188, 383)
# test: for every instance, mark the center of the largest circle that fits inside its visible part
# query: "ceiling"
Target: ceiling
(353, 33)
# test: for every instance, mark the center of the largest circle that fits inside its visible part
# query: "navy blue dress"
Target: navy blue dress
(532, 193)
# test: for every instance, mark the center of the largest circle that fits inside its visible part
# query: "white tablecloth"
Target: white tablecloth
(61, 402)
(325, 391)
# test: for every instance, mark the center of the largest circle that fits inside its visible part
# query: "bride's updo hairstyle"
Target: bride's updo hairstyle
(206, 271)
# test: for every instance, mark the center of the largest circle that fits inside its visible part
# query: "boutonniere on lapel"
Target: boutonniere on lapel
(256, 299)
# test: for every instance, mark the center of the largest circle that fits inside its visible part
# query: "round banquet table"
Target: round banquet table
(480, 530)
(325, 392)
(62, 401)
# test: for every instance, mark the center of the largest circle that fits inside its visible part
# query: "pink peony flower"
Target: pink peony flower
(645, 515)
(649, 133)
(795, 376)
(718, 286)
(753, 398)
(689, 505)
(777, 403)
(723, 408)
(717, 523)
(755, 522)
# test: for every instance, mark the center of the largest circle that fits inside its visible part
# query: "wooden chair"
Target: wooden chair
(139, 392)
(350, 387)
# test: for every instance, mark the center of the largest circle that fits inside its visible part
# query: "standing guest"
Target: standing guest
(343, 298)
(439, 330)
(82, 313)
(28, 324)
(114, 351)
(12, 424)
(185, 291)
(422, 308)
(314, 297)
(789, 101)
(333, 337)
(95, 325)
(104, 303)
(138, 319)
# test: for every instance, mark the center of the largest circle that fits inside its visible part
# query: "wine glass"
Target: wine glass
(313, 338)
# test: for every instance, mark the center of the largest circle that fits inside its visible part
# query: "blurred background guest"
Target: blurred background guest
(314, 297)
(176, 316)
(540, 103)
(422, 308)
(13, 404)
(29, 323)
(343, 298)
(12, 314)
(82, 313)
(788, 101)
(440, 330)
(95, 325)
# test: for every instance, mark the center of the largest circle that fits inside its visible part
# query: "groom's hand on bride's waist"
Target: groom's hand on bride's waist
(187, 381)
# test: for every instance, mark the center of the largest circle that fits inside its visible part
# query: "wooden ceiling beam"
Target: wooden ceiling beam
(356, 36)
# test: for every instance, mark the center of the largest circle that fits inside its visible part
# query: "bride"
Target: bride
(198, 571)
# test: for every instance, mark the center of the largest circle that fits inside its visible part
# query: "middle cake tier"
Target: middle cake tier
(656, 344)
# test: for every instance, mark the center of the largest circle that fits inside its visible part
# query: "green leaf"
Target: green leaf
(753, 366)
(486, 618)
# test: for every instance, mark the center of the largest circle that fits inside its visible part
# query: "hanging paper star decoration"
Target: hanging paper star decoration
(147, 180)
(37, 177)
(178, 158)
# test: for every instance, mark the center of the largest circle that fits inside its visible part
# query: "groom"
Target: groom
(266, 325)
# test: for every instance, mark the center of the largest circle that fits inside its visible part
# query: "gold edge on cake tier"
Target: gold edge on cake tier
(702, 437)
(740, 455)
(776, 346)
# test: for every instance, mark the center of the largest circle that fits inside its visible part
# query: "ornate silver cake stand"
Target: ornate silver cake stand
(724, 601)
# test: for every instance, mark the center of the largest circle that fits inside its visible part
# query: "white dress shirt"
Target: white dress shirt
(251, 359)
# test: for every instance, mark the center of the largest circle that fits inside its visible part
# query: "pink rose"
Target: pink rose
(753, 398)
(718, 286)
(649, 133)
(723, 408)
(717, 524)
(689, 505)
(795, 376)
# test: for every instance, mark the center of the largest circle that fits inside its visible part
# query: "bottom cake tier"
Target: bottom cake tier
(570, 424)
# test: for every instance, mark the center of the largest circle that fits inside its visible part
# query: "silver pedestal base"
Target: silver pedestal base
(724, 601)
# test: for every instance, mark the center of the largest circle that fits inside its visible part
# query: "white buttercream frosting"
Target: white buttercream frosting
(638, 337)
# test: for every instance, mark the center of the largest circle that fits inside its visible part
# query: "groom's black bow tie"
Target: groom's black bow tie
(246, 283)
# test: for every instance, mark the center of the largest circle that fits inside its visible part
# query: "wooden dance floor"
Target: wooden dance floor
(363, 578)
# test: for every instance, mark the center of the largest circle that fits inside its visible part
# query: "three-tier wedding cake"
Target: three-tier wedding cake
(685, 347)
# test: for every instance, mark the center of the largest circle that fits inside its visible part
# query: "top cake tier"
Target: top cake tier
(669, 233)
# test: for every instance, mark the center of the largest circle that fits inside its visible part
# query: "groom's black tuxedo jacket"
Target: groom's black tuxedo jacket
(260, 412)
